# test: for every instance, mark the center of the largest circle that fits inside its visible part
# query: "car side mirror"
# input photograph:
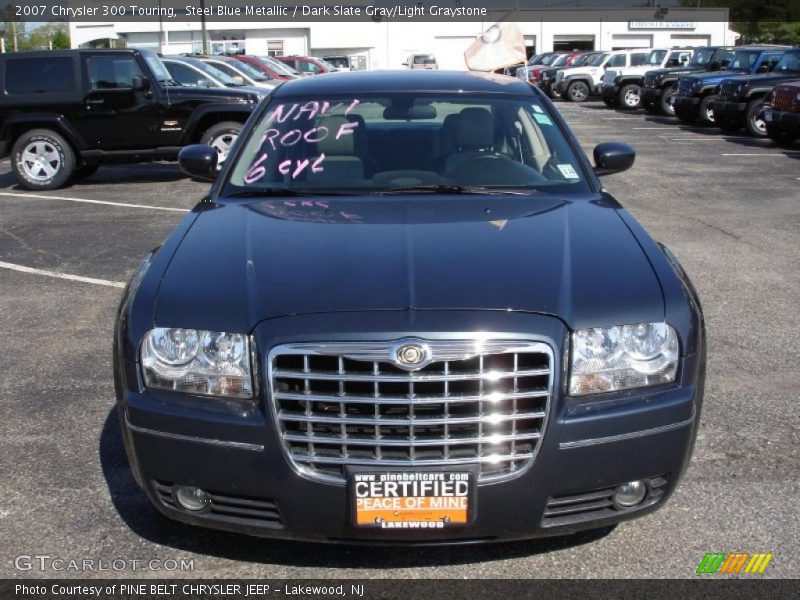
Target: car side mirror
(140, 83)
(763, 69)
(613, 157)
(199, 161)
(238, 79)
(204, 83)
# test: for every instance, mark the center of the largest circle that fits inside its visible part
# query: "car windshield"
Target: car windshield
(214, 72)
(702, 57)
(406, 143)
(279, 66)
(597, 60)
(582, 60)
(789, 63)
(560, 60)
(338, 61)
(157, 67)
(247, 69)
(744, 60)
(655, 57)
(549, 60)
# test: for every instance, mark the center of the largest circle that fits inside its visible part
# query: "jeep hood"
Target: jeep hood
(242, 263)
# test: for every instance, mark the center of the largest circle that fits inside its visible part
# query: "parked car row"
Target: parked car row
(752, 87)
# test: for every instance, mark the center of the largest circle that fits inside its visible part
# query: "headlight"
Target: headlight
(211, 363)
(607, 359)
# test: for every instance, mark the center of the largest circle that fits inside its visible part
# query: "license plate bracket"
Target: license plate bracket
(432, 498)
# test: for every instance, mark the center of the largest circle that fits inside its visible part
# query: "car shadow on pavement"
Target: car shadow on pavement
(145, 521)
(112, 174)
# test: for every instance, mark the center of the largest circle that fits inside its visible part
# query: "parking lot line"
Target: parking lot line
(87, 201)
(24, 269)
(761, 153)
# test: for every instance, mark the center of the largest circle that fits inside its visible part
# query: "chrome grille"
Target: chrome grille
(729, 91)
(685, 87)
(785, 98)
(473, 402)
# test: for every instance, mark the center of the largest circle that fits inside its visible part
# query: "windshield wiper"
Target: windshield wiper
(454, 189)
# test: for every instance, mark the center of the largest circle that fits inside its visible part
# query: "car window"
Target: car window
(616, 60)
(376, 143)
(227, 69)
(112, 72)
(789, 63)
(638, 59)
(251, 71)
(655, 57)
(185, 75)
(598, 60)
(744, 61)
(39, 75)
(769, 62)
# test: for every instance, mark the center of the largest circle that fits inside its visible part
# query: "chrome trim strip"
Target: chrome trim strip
(426, 377)
(418, 400)
(189, 438)
(486, 439)
(411, 421)
(625, 436)
(335, 460)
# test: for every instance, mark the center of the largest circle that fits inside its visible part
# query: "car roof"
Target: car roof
(358, 82)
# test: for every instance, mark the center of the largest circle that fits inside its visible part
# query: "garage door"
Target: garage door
(622, 41)
(449, 52)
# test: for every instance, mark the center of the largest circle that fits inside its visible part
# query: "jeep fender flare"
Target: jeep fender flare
(208, 114)
(630, 79)
(16, 125)
(585, 77)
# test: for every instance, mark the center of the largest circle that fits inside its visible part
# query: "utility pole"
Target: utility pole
(203, 32)
(14, 34)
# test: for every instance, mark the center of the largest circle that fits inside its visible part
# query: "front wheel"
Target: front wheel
(42, 160)
(221, 137)
(663, 102)
(630, 96)
(706, 112)
(577, 91)
(754, 120)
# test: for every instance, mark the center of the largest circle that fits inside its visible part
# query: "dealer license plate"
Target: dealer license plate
(412, 499)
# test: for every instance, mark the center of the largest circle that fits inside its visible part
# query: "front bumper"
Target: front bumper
(610, 92)
(728, 110)
(783, 119)
(233, 450)
(650, 95)
(686, 104)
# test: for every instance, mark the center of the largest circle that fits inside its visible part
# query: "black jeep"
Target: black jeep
(741, 99)
(64, 113)
(659, 84)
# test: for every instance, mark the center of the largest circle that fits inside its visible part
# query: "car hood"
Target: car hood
(212, 94)
(242, 263)
(764, 78)
(717, 76)
(675, 71)
(582, 71)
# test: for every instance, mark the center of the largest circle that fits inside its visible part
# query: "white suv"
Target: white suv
(576, 84)
(622, 86)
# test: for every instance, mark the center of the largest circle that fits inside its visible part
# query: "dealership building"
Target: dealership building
(386, 44)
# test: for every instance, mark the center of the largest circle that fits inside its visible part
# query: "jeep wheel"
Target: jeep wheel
(630, 96)
(577, 91)
(780, 136)
(754, 120)
(663, 102)
(85, 171)
(706, 112)
(221, 137)
(42, 160)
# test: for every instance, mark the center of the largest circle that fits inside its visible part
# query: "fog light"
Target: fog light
(192, 498)
(630, 494)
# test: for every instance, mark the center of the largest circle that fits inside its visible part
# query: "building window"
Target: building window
(275, 48)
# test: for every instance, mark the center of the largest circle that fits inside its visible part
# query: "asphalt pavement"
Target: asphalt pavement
(728, 207)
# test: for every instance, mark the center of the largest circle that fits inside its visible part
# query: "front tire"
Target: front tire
(577, 91)
(42, 160)
(221, 137)
(754, 121)
(630, 96)
(663, 102)
(706, 112)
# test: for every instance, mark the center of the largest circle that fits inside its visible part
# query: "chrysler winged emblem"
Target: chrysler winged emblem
(410, 355)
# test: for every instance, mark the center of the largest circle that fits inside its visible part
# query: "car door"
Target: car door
(114, 114)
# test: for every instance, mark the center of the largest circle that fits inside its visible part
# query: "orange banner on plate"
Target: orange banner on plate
(412, 508)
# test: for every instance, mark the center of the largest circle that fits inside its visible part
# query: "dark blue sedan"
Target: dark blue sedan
(408, 311)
